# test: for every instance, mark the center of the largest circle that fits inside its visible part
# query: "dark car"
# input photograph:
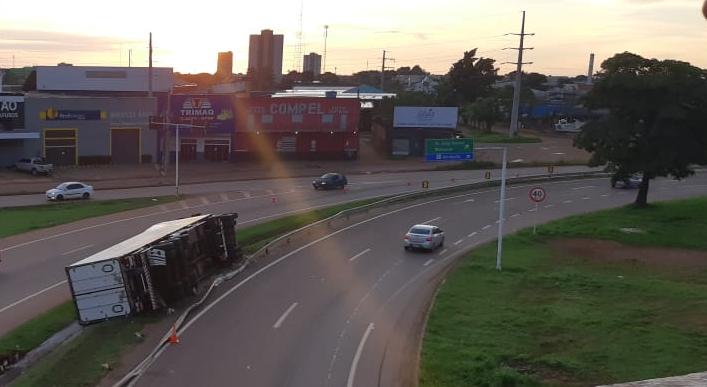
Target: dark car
(330, 181)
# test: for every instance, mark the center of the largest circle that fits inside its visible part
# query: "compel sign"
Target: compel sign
(425, 117)
(302, 114)
(12, 112)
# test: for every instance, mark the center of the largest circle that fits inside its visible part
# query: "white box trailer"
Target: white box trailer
(152, 269)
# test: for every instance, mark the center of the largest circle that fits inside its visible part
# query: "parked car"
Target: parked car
(423, 236)
(34, 165)
(330, 181)
(70, 190)
(630, 182)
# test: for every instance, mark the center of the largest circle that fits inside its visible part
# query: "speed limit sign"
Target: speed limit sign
(537, 194)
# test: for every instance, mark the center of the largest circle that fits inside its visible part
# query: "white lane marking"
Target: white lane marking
(432, 220)
(429, 262)
(357, 356)
(604, 195)
(270, 192)
(183, 204)
(584, 187)
(282, 318)
(532, 209)
(473, 234)
(586, 198)
(515, 215)
(488, 226)
(549, 206)
(247, 195)
(205, 200)
(468, 201)
(223, 197)
(355, 257)
(32, 295)
(442, 252)
(507, 199)
(458, 242)
(567, 202)
(77, 250)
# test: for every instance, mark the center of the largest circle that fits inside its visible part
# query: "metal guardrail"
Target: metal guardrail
(130, 378)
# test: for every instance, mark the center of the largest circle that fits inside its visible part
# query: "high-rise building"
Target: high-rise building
(224, 66)
(265, 53)
(313, 63)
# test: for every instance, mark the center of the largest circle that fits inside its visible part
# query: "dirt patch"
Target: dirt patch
(615, 252)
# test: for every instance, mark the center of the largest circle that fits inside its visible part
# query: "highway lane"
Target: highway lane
(32, 272)
(320, 317)
(254, 186)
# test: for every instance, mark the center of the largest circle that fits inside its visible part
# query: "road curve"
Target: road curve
(32, 277)
(347, 309)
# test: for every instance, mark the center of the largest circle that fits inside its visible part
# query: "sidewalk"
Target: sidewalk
(552, 150)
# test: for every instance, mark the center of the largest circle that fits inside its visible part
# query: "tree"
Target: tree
(472, 77)
(484, 110)
(329, 79)
(656, 123)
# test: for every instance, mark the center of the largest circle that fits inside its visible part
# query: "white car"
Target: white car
(70, 190)
(423, 236)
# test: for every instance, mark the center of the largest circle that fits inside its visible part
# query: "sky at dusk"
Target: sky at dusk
(188, 35)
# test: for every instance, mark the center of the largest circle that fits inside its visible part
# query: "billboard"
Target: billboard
(425, 117)
(300, 115)
(12, 112)
(215, 111)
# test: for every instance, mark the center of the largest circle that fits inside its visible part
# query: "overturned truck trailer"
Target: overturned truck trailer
(154, 268)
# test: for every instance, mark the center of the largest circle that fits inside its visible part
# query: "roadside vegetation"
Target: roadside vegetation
(591, 299)
(16, 220)
(88, 358)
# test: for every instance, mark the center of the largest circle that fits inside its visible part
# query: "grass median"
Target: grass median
(607, 297)
(16, 220)
(85, 361)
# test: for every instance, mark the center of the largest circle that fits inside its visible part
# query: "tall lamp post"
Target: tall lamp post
(501, 205)
(177, 126)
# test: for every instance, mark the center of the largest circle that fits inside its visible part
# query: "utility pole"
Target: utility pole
(149, 71)
(519, 71)
(326, 35)
(383, 68)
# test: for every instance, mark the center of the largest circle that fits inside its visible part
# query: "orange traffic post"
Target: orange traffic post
(174, 338)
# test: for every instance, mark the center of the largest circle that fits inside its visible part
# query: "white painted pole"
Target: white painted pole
(535, 220)
(177, 145)
(501, 212)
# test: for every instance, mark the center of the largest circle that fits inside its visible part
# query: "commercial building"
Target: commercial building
(224, 66)
(265, 53)
(412, 126)
(85, 115)
(313, 64)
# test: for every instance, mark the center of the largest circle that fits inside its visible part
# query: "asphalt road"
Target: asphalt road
(347, 309)
(32, 277)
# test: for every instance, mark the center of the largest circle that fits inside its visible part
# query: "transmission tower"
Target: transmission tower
(299, 47)
(513, 131)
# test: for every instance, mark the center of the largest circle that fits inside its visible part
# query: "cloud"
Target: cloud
(27, 40)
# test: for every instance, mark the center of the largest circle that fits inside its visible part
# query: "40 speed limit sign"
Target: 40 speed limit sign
(537, 194)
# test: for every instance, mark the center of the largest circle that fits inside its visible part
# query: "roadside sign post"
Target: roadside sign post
(536, 195)
(501, 212)
(449, 149)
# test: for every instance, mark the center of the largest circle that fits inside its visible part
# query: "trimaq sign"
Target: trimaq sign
(12, 112)
(213, 111)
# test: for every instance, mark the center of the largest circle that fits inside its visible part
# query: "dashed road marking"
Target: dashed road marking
(442, 252)
(223, 197)
(586, 198)
(432, 220)
(488, 226)
(429, 262)
(282, 318)
(532, 209)
(515, 215)
(77, 250)
(458, 242)
(204, 200)
(549, 206)
(355, 257)
(583, 187)
(604, 195)
(567, 202)
(473, 234)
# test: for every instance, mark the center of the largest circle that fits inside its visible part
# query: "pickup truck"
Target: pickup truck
(34, 165)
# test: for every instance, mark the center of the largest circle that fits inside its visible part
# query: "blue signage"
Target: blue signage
(214, 111)
(450, 157)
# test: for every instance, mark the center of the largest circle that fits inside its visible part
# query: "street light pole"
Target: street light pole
(501, 212)
(177, 145)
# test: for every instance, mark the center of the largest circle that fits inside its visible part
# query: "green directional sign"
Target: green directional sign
(448, 149)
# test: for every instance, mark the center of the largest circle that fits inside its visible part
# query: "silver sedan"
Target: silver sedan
(423, 236)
